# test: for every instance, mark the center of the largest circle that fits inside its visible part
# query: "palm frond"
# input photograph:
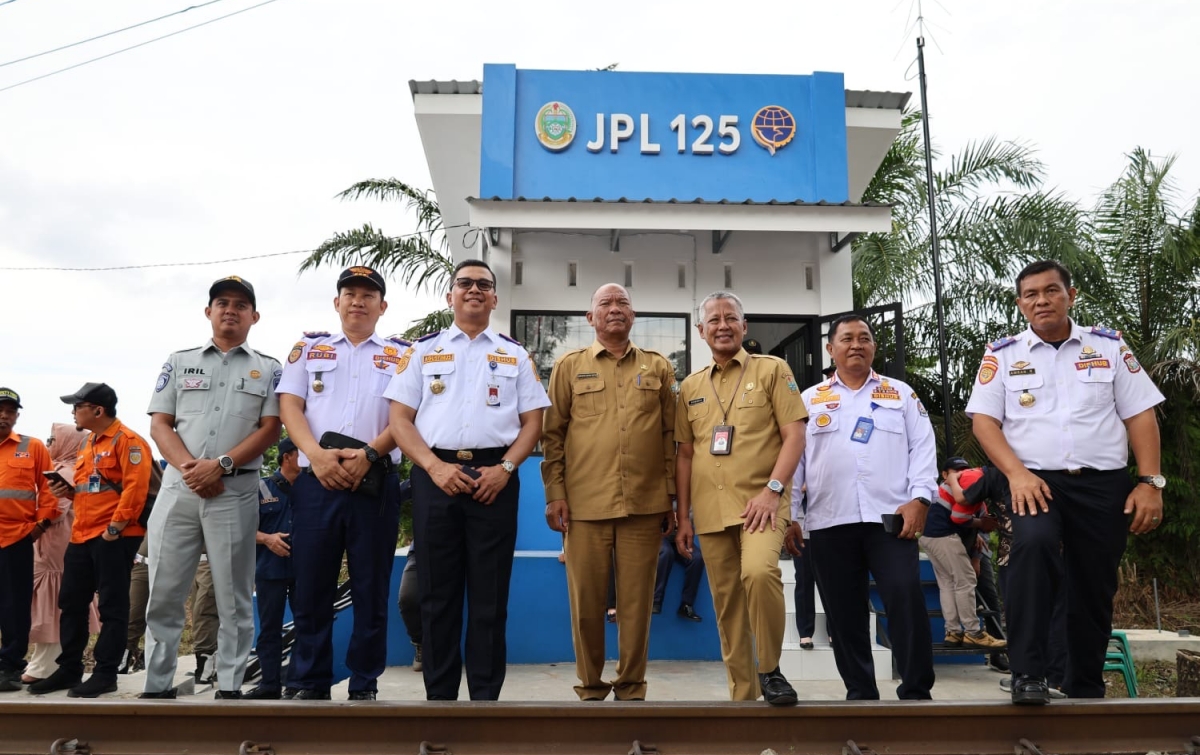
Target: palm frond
(430, 323)
(410, 258)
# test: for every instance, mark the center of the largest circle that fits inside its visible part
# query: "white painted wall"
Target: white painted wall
(768, 273)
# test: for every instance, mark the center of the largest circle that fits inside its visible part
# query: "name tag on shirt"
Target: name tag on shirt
(862, 430)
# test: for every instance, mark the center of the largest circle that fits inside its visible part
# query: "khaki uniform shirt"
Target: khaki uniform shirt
(608, 436)
(217, 399)
(756, 395)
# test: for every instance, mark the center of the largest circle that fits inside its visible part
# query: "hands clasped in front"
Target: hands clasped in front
(453, 480)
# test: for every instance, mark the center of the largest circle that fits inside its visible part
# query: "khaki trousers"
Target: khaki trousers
(747, 590)
(956, 581)
(593, 549)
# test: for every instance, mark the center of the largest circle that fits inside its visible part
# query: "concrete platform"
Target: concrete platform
(1153, 645)
(668, 681)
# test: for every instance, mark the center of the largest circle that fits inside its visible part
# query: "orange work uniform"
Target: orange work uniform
(121, 460)
(25, 497)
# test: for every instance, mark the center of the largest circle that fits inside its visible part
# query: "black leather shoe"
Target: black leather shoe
(311, 694)
(60, 679)
(288, 693)
(224, 694)
(263, 693)
(776, 689)
(95, 686)
(10, 681)
(166, 694)
(685, 612)
(1030, 690)
(363, 694)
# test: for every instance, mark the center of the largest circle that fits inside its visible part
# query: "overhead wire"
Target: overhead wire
(102, 36)
(199, 263)
(133, 47)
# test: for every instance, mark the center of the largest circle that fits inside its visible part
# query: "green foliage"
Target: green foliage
(1136, 263)
(414, 258)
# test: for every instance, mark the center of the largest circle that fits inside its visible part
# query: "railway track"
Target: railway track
(465, 728)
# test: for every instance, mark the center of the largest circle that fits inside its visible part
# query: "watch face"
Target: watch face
(775, 486)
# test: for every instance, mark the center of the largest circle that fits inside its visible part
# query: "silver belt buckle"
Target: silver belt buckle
(464, 455)
(1075, 472)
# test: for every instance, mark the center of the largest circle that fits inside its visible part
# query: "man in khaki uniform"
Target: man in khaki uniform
(609, 471)
(740, 437)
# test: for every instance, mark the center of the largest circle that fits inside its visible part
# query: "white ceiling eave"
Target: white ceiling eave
(637, 216)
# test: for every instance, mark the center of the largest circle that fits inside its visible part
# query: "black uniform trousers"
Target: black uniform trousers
(466, 547)
(668, 556)
(410, 596)
(843, 556)
(272, 597)
(805, 592)
(16, 596)
(1087, 519)
(325, 524)
(96, 566)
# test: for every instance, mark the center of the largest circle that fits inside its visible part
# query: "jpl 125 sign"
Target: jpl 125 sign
(773, 127)
(609, 135)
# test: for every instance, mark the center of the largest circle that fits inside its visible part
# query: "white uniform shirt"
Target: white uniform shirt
(486, 382)
(1063, 408)
(352, 379)
(851, 482)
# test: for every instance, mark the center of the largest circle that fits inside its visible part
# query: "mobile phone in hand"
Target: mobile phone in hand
(53, 476)
(471, 472)
(893, 524)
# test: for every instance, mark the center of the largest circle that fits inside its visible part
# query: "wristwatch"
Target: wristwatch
(925, 501)
(226, 463)
(113, 531)
(372, 454)
(508, 466)
(1154, 480)
(775, 486)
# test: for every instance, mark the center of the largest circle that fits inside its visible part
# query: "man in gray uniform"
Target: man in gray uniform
(213, 413)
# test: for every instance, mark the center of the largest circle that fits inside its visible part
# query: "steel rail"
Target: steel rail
(703, 728)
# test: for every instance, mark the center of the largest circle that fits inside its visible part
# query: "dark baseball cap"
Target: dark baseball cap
(828, 371)
(93, 393)
(361, 274)
(286, 446)
(752, 346)
(8, 394)
(955, 462)
(237, 284)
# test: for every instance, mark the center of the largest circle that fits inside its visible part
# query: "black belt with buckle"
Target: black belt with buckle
(1074, 472)
(471, 455)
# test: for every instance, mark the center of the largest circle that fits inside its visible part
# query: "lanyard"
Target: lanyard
(736, 383)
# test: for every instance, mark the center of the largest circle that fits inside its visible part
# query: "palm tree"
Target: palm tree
(414, 258)
(1147, 284)
(993, 218)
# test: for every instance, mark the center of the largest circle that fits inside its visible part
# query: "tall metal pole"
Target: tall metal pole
(937, 260)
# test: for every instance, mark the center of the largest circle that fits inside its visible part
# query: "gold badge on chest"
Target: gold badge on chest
(1026, 399)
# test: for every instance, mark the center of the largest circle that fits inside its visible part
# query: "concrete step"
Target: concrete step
(818, 664)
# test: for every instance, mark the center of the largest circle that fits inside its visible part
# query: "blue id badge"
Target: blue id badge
(93, 483)
(862, 430)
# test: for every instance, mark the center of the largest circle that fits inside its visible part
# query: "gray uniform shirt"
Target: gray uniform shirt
(217, 399)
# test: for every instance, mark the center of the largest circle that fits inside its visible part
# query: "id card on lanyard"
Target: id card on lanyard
(722, 435)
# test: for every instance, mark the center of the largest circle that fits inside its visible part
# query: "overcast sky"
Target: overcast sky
(231, 140)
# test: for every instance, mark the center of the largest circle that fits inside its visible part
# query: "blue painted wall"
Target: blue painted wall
(811, 167)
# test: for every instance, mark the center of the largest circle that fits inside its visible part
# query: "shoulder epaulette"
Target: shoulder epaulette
(510, 339)
(997, 345)
(194, 348)
(399, 341)
(316, 334)
(427, 336)
(1107, 333)
(705, 368)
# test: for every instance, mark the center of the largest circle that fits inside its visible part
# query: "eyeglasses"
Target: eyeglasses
(85, 405)
(483, 284)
